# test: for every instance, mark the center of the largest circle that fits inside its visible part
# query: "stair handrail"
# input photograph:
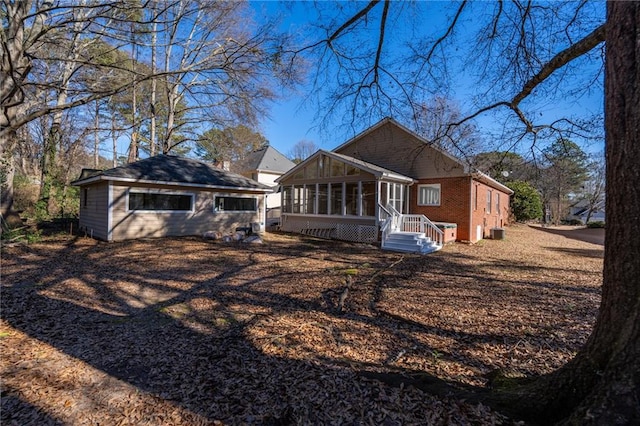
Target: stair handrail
(390, 223)
(424, 225)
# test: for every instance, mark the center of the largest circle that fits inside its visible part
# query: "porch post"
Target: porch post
(377, 207)
(359, 199)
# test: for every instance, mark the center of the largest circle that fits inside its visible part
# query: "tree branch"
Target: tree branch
(583, 46)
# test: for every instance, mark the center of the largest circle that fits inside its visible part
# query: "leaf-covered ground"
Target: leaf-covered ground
(292, 331)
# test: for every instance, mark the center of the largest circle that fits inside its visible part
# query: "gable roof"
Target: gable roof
(474, 173)
(360, 164)
(172, 170)
(266, 159)
(390, 121)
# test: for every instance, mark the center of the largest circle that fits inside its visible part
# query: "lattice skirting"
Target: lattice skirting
(331, 230)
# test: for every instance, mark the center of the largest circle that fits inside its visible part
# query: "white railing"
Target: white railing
(420, 223)
(394, 221)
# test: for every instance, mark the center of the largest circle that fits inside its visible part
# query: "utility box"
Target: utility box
(497, 233)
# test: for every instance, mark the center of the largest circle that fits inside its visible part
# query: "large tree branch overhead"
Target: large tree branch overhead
(572, 52)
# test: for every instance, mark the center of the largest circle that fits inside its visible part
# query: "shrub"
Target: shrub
(597, 224)
(526, 203)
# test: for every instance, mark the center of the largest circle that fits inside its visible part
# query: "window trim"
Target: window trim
(160, 192)
(254, 198)
(429, 185)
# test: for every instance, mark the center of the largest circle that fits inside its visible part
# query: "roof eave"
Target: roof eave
(165, 183)
(488, 180)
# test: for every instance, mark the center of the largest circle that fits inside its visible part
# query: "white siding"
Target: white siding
(93, 210)
(129, 224)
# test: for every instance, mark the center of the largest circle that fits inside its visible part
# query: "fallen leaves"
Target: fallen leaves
(185, 331)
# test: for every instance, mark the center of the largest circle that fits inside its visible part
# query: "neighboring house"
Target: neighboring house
(390, 172)
(580, 211)
(168, 196)
(265, 165)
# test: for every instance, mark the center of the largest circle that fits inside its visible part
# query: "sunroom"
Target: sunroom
(331, 195)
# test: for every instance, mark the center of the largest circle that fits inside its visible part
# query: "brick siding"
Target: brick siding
(458, 205)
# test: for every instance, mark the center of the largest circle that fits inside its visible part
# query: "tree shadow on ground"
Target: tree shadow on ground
(183, 333)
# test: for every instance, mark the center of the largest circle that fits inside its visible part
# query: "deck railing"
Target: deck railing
(394, 221)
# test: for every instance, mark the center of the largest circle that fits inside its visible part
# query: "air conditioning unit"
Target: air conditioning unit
(497, 233)
(257, 227)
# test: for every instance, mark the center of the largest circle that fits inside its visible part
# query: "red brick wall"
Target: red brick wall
(454, 203)
(458, 205)
(485, 218)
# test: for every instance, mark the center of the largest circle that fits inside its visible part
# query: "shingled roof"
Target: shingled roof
(172, 170)
(266, 159)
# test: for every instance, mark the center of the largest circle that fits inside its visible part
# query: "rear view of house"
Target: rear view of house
(168, 196)
(384, 175)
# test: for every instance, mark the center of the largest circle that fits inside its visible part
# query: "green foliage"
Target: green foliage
(526, 203)
(229, 144)
(596, 224)
(25, 234)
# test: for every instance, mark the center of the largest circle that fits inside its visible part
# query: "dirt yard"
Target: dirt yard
(189, 332)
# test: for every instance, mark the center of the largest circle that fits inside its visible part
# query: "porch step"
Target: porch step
(410, 242)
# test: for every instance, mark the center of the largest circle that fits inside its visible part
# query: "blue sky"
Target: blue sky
(292, 121)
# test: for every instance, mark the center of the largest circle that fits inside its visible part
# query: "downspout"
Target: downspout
(109, 211)
(471, 189)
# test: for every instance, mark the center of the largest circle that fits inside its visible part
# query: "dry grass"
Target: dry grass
(185, 331)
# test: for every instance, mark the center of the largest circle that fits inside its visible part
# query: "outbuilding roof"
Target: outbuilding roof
(172, 170)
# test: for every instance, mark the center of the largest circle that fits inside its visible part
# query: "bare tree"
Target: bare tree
(595, 186)
(216, 66)
(432, 122)
(302, 150)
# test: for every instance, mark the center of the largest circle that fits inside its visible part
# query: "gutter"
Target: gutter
(159, 182)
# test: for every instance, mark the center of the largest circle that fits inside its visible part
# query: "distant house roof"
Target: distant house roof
(172, 170)
(360, 164)
(266, 159)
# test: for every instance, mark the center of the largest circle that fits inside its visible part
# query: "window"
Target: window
(310, 202)
(475, 197)
(429, 195)
(235, 204)
(299, 174)
(155, 201)
(337, 168)
(351, 198)
(326, 167)
(395, 195)
(488, 201)
(311, 171)
(336, 199)
(286, 199)
(298, 199)
(85, 196)
(497, 202)
(368, 198)
(352, 170)
(322, 198)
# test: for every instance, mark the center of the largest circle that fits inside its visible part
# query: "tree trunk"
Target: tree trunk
(614, 346)
(601, 385)
(7, 171)
(96, 137)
